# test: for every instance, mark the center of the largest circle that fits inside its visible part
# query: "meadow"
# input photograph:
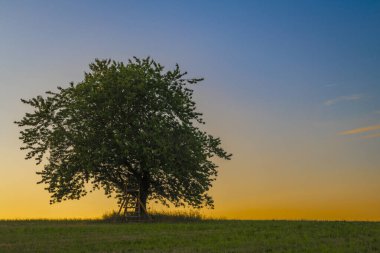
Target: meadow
(190, 236)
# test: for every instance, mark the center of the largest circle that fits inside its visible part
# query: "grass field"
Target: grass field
(204, 236)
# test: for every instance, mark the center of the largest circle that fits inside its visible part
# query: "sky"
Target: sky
(291, 87)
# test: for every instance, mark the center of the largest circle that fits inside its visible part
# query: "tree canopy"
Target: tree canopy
(124, 126)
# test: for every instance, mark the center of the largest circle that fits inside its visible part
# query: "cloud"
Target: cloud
(330, 85)
(371, 136)
(361, 130)
(342, 99)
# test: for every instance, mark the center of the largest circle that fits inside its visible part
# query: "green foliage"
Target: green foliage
(124, 126)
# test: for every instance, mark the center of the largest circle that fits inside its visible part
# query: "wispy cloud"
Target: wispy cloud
(361, 130)
(343, 98)
(371, 136)
(330, 85)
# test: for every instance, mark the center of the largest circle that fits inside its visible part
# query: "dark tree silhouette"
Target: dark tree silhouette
(124, 126)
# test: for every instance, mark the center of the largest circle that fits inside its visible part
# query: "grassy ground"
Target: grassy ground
(202, 236)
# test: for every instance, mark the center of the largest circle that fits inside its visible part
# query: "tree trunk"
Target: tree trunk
(144, 192)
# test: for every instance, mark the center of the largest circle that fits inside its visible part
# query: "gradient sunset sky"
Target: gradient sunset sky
(291, 87)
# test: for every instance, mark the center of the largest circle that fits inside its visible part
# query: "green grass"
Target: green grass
(199, 236)
(161, 216)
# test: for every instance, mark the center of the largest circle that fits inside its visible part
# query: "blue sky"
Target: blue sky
(305, 50)
(283, 80)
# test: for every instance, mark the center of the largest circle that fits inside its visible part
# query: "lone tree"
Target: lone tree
(125, 126)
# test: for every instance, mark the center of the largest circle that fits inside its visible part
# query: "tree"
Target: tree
(124, 126)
